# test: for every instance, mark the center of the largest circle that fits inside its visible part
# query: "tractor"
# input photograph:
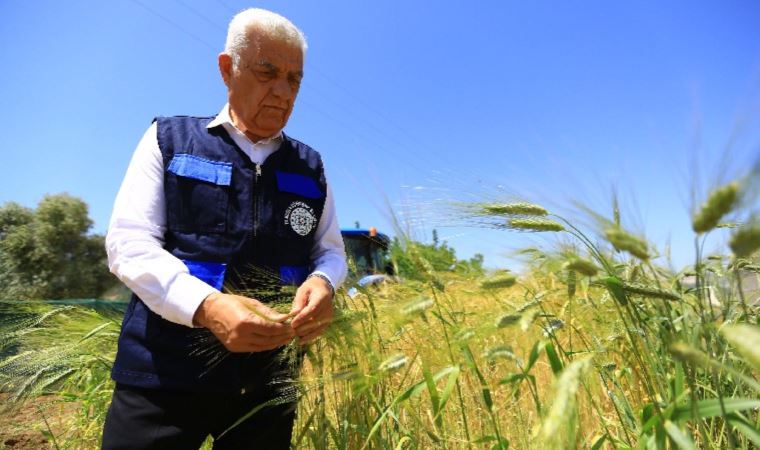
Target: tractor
(367, 252)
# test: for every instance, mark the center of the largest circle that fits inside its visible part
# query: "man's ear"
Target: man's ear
(225, 67)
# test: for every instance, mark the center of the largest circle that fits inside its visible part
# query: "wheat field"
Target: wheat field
(593, 344)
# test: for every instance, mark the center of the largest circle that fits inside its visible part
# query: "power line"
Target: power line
(202, 16)
(228, 7)
(174, 24)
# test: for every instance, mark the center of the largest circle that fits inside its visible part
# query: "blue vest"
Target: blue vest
(235, 224)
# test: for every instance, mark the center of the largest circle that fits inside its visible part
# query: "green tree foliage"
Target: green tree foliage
(407, 255)
(46, 253)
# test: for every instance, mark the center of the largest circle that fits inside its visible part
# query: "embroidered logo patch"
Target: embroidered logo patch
(300, 217)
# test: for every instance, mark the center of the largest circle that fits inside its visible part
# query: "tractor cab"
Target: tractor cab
(367, 252)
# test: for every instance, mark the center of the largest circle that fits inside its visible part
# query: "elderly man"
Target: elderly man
(222, 201)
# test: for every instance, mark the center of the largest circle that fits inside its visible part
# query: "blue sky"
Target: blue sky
(412, 104)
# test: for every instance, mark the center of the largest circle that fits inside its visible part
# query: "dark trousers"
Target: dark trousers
(142, 419)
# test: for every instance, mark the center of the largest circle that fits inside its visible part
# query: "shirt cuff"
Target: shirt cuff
(184, 297)
(329, 279)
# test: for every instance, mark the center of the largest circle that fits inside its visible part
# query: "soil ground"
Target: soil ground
(24, 427)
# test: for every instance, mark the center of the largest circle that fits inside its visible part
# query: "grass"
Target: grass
(592, 346)
(58, 357)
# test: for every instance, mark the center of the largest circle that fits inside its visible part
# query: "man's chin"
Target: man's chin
(269, 128)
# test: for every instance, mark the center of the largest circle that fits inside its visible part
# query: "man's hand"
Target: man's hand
(312, 308)
(242, 324)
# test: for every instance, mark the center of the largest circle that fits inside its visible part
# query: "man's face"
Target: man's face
(263, 89)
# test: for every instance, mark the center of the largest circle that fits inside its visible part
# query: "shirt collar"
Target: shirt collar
(224, 119)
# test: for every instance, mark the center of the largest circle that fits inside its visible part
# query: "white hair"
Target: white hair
(246, 24)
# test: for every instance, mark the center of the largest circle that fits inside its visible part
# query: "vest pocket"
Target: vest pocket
(197, 194)
(300, 201)
(297, 220)
(297, 216)
(211, 273)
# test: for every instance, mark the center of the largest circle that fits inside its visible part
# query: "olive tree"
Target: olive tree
(48, 253)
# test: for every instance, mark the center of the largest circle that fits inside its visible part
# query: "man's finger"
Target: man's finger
(268, 314)
(311, 325)
(312, 309)
(273, 316)
(299, 301)
(284, 333)
(263, 311)
(311, 337)
(267, 327)
(322, 316)
(315, 311)
(258, 339)
(254, 348)
(255, 345)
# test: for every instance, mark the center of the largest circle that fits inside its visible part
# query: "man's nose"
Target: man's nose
(282, 88)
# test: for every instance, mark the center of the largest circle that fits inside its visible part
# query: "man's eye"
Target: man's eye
(265, 76)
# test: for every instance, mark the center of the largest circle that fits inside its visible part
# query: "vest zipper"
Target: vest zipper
(256, 199)
(257, 174)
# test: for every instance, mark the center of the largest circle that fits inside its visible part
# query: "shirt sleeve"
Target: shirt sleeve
(328, 254)
(135, 239)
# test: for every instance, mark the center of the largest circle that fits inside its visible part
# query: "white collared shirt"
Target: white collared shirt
(256, 151)
(135, 238)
